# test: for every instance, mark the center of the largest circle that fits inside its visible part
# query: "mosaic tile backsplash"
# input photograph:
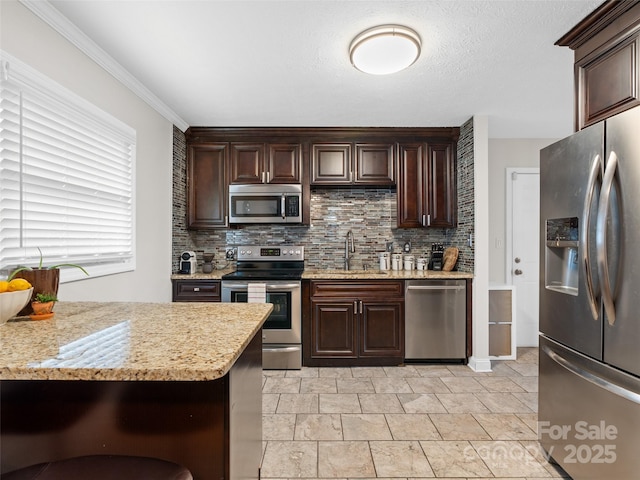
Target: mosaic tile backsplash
(370, 213)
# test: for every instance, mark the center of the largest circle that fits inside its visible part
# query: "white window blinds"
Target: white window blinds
(66, 178)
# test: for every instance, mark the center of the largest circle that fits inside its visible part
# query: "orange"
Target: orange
(4, 286)
(18, 284)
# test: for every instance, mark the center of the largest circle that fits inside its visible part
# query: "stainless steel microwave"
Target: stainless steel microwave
(265, 203)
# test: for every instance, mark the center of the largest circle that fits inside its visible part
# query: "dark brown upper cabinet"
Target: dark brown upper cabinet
(265, 163)
(427, 192)
(207, 190)
(335, 164)
(607, 61)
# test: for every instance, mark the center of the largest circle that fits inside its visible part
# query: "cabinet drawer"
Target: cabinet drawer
(358, 289)
(196, 291)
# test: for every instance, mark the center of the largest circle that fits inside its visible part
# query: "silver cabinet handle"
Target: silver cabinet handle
(424, 220)
(196, 289)
(361, 308)
(601, 237)
(594, 174)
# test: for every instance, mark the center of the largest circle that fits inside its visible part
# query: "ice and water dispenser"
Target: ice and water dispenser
(561, 255)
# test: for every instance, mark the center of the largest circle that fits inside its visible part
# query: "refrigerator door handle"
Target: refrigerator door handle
(590, 377)
(601, 238)
(594, 174)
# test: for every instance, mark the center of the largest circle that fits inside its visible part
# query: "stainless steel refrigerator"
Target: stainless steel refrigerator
(589, 385)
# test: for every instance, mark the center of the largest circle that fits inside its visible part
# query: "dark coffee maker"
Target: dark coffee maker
(437, 252)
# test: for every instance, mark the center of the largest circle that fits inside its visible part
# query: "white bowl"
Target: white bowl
(12, 302)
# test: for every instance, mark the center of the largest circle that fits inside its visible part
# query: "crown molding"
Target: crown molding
(61, 24)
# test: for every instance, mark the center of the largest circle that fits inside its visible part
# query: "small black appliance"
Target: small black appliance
(437, 254)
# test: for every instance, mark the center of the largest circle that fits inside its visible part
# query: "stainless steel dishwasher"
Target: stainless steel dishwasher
(435, 319)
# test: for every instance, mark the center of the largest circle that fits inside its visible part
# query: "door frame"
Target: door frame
(509, 172)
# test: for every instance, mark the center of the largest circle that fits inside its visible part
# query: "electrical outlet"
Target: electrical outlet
(389, 246)
(230, 253)
(407, 247)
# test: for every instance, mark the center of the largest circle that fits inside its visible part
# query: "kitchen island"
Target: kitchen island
(180, 382)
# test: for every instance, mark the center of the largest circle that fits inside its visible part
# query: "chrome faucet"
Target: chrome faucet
(348, 248)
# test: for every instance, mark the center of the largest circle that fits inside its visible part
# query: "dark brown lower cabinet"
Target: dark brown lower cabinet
(348, 323)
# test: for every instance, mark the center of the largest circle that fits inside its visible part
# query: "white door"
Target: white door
(523, 251)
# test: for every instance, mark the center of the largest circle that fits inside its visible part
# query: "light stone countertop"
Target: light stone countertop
(130, 341)
(324, 274)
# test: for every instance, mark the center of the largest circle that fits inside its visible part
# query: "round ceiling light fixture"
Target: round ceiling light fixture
(385, 49)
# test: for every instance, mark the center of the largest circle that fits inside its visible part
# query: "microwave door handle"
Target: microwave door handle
(585, 244)
(601, 237)
(282, 206)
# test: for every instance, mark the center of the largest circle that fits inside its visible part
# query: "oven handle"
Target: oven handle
(244, 286)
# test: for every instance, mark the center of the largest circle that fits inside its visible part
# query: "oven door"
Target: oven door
(284, 324)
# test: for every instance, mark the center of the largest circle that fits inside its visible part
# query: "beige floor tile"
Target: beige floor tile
(346, 459)
(368, 372)
(380, 403)
(500, 384)
(417, 426)
(528, 384)
(304, 372)
(501, 369)
(290, 460)
(318, 427)
(400, 459)
(462, 384)
(274, 373)
(529, 399)
(461, 371)
(298, 403)
(278, 427)
(462, 403)
(428, 385)
(536, 451)
(505, 426)
(527, 355)
(281, 385)
(402, 371)
(318, 385)
(270, 402)
(365, 426)
(339, 403)
(459, 426)
(433, 370)
(337, 372)
(503, 403)
(509, 459)
(355, 385)
(391, 385)
(530, 419)
(421, 403)
(524, 369)
(454, 459)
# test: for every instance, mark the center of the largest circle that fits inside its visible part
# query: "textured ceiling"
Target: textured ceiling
(285, 63)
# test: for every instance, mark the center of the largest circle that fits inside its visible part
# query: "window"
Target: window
(66, 178)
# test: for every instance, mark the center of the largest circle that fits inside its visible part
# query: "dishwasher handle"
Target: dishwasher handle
(436, 287)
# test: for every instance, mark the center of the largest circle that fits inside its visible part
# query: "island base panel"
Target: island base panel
(200, 425)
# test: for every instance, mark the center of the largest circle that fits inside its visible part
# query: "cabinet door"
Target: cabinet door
(206, 186)
(247, 163)
(442, 202)
(411, 185)
(382, 329)
(375, 164)
(333, 329)
(331, 164)
(284, 163)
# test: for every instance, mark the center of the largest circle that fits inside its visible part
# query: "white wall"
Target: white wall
(503, 154)
(26, 37)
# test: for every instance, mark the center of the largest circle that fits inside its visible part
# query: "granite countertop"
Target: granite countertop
(325, 274)
(130, 341)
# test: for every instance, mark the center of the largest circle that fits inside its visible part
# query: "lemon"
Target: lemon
(4, 286)
(18, 284)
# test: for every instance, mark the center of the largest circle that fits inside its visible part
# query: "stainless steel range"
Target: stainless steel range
(280, 270)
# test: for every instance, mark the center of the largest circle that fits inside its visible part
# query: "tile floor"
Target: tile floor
(414, 421)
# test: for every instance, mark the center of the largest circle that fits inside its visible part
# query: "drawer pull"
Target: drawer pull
(196, 289)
